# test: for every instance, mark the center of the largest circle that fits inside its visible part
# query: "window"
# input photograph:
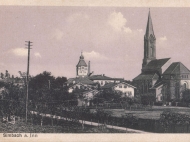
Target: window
(151, 51)
(161, 98)
(185, 86)
(101, 82)
(125, 86)
(129, 93)
(120, 86)
(173, 77)
(142, 89)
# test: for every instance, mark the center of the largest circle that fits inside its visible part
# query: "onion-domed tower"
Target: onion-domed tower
(81, 68)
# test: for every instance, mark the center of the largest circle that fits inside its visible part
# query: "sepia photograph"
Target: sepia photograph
(94, 70)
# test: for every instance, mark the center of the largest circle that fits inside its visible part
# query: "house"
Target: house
(102, 79)
(126, 89)
(79, 86)
(90, 94)
(86, 98)
(83, 80)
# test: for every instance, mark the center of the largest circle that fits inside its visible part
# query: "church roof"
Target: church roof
(156, 64)
(147, 76)
(149, 27)
(81, 63)
(157, 84)
(177, 68)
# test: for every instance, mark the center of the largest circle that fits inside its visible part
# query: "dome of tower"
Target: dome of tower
(81, 57)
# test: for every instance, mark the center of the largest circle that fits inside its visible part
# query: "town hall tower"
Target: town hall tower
(82, 70)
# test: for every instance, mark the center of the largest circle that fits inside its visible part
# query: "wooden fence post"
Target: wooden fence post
(32, 120)
(41, 121)
(52, 121)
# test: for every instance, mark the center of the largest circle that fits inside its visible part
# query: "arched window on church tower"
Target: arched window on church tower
(185, 86)
(142, 89)
(150, 52)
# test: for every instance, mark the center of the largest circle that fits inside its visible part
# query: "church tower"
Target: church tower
(149, 43)
(81, 68)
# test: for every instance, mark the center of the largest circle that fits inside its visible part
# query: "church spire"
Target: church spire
(149, 27)
(149, 43)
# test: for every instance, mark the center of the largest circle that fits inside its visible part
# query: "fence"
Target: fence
(72, 116)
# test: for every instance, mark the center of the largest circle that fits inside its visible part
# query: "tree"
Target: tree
(13, 100)
(2, 75)
(186, 96)
(59, 82)
(7, 75)
(148, 99)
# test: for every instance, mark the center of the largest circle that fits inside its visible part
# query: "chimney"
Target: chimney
(89, 67)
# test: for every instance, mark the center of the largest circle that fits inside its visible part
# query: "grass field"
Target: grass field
(150, 114)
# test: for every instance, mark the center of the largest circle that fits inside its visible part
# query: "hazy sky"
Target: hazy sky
(111, 38)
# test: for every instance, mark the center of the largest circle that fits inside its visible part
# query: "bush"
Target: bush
(169, 118)
(158, 103)
(182, 104)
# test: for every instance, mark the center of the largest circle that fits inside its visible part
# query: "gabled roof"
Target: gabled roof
(177, 68)
(96, 91)
(121, 79)
(144, 76)
(79, 83)
(83, 80)
(103, 77)
(156, 64)
(126, 84)
(81, 63)
(99, 77)
(110, 85)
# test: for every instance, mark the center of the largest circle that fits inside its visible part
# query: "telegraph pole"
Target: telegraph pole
(27, 78)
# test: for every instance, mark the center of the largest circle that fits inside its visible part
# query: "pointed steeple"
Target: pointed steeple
(149, 27)
(149, 43)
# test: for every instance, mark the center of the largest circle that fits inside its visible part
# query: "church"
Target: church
(159, 77)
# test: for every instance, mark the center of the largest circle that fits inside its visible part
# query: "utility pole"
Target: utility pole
(27, 80)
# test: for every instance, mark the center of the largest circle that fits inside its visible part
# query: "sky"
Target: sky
(111, 38)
